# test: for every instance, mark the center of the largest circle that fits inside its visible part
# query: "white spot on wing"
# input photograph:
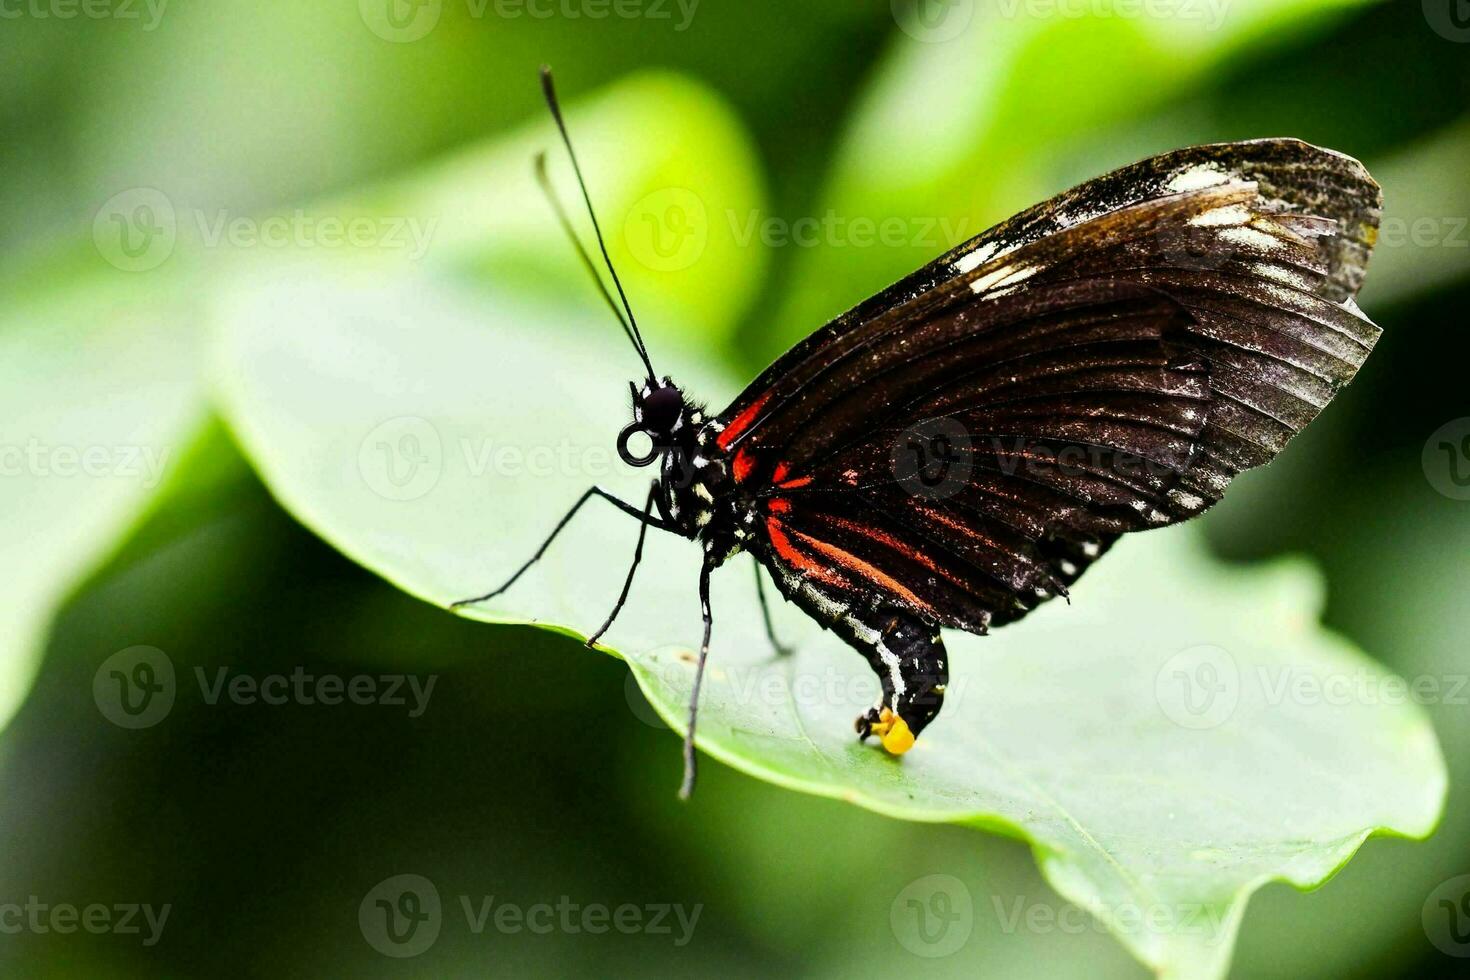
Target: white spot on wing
(1198, 178)
(1006, 275)
(1283, 275)
(1230, 214)
(1250, 238)
(973, 261)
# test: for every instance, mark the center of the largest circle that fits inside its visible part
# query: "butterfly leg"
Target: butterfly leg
(760, 590)
(633, 568)
(912, 665)
(690, 762)
(623, 505)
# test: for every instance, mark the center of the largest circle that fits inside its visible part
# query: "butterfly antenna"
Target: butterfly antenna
(566, 225)
(631, 325)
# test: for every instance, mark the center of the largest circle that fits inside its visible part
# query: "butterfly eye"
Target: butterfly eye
(661, 409)
(629, 431)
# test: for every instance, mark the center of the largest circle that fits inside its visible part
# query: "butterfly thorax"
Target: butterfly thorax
(698, 494)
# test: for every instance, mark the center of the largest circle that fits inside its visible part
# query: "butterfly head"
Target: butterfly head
(659, 412)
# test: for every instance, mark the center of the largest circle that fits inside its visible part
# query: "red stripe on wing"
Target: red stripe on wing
(742, 464)
(799, 560)
(741, 422)
(867, 571)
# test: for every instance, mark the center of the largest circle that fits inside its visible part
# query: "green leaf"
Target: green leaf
(1157, 742)
(99, 400)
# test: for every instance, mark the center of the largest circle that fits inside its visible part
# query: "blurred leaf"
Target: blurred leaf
(1424, 242)
(479, 216)
(661, 206)
(1147, 741)
(99, 400)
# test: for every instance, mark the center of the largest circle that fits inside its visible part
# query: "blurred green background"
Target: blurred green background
(264, 827)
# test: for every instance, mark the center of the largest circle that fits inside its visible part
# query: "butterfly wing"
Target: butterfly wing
(964, 444)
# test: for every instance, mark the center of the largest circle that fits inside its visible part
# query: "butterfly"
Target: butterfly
(963, 446)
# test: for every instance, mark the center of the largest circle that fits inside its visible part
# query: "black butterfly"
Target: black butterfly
(961, 447)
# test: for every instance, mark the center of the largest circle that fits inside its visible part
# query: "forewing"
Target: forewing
(967, 442)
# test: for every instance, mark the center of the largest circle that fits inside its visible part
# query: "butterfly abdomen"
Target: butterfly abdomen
(908, 656)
